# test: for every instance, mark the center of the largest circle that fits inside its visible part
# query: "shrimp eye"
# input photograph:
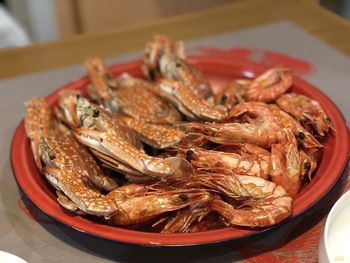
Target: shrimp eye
(328, 120)
(189, 153)
(307, 166)
(299, 135)
(302, 135)
(177, 64)
(96, 113)
(223, 98)
(183, 197)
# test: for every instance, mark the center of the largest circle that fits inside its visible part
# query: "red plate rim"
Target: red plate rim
(22, 165)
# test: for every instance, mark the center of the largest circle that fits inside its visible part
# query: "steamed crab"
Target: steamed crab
(131, 96)
(58, 158)
(115, 144)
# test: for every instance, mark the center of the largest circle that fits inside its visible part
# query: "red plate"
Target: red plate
(333, 162)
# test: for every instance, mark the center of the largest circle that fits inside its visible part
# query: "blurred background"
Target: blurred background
(23, 22)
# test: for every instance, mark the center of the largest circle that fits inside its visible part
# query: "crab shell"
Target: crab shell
(60, 159)
(136, 98)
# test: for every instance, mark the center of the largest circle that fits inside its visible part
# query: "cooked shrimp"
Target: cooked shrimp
(308, 111)
(227, 163)
(140, 209)
(270, 85)
(261, 203)
(286, 163)
(304, 138)
(256, 213)
(257, 125)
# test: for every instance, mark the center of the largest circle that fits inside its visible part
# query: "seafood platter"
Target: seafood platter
(177, 150)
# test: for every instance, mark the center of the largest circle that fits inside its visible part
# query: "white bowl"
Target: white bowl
(335, 238)
(6, 257)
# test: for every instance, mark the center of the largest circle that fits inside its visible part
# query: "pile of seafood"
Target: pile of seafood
(168, 153)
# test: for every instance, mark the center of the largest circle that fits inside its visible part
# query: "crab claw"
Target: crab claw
(86, 198)
(115, 147)
(67, 106)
